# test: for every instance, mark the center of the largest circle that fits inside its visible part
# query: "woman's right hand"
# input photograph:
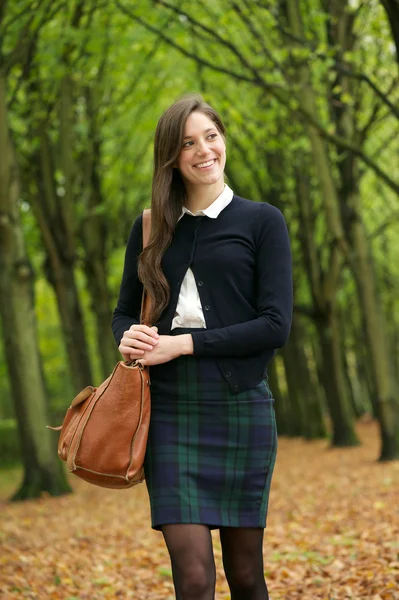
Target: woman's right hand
(137, 340)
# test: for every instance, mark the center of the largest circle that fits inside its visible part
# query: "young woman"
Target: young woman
(218, 271)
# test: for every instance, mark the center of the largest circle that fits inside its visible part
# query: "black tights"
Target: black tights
(193, 565)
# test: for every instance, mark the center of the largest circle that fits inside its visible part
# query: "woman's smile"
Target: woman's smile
(206, 165)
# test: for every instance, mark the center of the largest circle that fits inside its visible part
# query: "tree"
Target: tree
(42, 469)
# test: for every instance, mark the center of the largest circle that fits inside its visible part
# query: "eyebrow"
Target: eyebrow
(186, 137)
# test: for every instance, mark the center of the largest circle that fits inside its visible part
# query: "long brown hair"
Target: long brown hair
(168, 196)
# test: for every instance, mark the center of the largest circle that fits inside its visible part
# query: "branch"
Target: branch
(391, 220)
(12, 20)
(275, 90)
(387, 142)
(344, 69)
(223, 42)
(181, 49)
(373, 118)
(139, 74)
(3, 5)
(24, 48)
(362, 77)
(250, 26)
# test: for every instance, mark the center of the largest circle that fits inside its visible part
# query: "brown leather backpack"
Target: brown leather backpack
(104, 433)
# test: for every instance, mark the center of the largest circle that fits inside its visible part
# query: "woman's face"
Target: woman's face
(203, 156)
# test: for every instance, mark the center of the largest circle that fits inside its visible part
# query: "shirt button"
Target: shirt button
(200, 283)
(236, 388)
(207, 307)
(228, 374)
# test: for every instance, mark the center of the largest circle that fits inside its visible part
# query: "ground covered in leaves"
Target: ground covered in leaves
(333, 533)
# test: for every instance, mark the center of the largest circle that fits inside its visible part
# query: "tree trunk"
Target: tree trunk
(295, 413)
(340, 34)
(279, 397)
(313, 425)
(331, 373)
(392, 10)
(324, 285)
(343, 433)
(51, 215)
(95, 231)
(305, 416)
(42, 469)
(378, 341)
(100, 305)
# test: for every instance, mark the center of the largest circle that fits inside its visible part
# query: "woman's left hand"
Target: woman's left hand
(168, 348)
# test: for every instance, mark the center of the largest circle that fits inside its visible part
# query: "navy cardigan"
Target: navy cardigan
(241, 262)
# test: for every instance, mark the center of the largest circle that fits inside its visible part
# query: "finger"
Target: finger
(145, 329)
(141, 336)
(137, 344)
(128, 350)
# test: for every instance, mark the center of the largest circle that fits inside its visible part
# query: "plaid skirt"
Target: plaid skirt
(210, 453)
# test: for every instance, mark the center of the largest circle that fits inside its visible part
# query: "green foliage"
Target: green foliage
(124, 69)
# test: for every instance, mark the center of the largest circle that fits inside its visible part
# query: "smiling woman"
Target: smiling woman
(202, 161)
(218, 272)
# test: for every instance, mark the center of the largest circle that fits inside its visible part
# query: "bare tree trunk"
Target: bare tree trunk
(42, 469)
(95, 231)
(313, 425)
(343, 433)
(55, 167)
(392, 10)
(378, 341)
(279, 398)
(55, 222)
(340, 33)
(331, 373)
(296, 411)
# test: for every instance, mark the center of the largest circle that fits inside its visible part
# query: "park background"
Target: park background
(308, 91)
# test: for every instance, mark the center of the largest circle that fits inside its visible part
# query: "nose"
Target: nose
(203, 148)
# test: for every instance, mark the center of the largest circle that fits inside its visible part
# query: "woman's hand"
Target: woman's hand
(139, 339)
(168, 348)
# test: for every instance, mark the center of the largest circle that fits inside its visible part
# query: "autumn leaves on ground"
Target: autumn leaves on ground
(333, 533)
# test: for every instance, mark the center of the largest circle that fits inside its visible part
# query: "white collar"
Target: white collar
(214, 209)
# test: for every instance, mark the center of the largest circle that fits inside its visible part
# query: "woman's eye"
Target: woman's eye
(187, 144)
(212, 136)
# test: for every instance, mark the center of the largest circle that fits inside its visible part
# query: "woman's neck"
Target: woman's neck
(200, 197)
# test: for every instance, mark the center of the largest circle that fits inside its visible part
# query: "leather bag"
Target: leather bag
(104, 434)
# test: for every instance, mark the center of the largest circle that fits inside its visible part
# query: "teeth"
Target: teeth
(205, 164)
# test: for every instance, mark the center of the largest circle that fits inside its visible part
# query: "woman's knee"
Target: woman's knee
(245, 578)
(196, 580)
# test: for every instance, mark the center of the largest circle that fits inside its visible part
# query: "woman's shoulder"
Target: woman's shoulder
(258, 210)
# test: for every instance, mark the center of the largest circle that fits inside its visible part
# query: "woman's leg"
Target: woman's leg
(243, 562)
(193, 564)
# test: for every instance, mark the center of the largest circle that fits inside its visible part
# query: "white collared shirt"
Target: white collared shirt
(189, 311)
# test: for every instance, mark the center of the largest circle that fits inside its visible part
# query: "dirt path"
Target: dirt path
(333, 533)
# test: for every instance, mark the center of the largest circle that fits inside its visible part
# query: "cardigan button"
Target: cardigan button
(228, 374)
(236, 389)
(207, 307)
(200, 283)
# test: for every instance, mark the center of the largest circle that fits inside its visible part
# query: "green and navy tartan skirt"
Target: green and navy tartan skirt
(210, 453)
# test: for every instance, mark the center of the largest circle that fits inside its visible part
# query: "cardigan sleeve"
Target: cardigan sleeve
(270, 330)
(127, 311)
